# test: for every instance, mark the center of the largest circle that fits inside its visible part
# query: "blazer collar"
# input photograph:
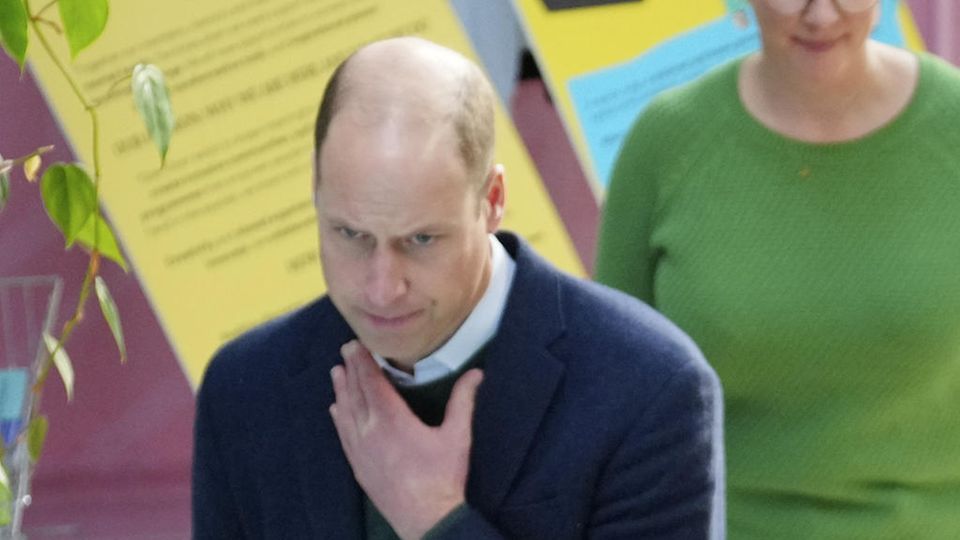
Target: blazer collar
(521, 376)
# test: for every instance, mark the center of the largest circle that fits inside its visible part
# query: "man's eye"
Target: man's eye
(422, 239)
(348, 233)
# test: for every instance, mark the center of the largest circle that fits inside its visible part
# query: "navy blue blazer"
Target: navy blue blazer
(597, 418)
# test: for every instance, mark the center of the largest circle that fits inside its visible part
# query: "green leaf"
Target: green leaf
(105, 241)
(4, 477)
(69, 198)
(153, 101)
(4, 181)
(6, 495)
(83, 22)
(13, 29)
(110, 313)
(36, 436)
(62, 362)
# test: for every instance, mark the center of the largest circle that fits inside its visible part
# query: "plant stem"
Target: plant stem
(94, 122)
(46, 7)
(57, 62)
(116, 83)
(93, 267)
(38, 152)
(56, 28)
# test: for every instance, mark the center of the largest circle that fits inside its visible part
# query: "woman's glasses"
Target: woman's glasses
(794, 7)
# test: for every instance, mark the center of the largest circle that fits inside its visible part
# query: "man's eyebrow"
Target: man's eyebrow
(431, 227)
(333, 217)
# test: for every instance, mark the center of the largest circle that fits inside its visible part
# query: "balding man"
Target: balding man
(451, 384)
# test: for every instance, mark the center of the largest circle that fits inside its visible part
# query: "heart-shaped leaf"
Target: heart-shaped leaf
(105, 241)
(69, 198)
(153, 101)
(83, 22)
(13, 29)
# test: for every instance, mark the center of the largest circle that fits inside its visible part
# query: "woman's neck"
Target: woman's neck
(869, 91)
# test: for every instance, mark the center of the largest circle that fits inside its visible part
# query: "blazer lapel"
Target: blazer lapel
(520, 379)
(330, 495)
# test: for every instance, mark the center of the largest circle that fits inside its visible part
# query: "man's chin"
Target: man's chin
(397, 353)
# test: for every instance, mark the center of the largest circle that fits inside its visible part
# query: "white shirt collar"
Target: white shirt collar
(476, 330)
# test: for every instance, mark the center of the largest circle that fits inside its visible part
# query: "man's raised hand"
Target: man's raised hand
(413, 473)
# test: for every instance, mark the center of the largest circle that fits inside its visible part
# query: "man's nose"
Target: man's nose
(386, 279)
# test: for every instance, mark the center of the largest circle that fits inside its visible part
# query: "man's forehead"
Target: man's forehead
(384, 133)
(412, 104)
(392, 208)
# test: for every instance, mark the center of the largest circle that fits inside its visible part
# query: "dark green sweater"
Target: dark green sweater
(428, 402)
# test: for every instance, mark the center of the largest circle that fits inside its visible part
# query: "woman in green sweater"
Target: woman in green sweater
(798, 213)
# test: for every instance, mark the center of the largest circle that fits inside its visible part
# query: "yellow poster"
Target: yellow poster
(224, 237)
(603, 60)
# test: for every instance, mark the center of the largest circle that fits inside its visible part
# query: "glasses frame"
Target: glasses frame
(804, 4)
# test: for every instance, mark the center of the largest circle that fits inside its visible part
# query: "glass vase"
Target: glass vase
(28, 307)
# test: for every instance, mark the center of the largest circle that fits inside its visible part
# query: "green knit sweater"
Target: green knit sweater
(822, 281)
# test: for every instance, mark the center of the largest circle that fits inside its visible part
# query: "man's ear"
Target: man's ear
(316, 180)
(495, 198)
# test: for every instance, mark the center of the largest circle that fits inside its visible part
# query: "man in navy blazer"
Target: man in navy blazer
(451, 384)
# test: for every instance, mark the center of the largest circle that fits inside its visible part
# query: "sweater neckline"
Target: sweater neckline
(878, 138)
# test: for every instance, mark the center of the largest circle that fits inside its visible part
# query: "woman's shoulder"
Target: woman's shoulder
(935, 105)
(939, 73)
(683, 113)
(715, 90)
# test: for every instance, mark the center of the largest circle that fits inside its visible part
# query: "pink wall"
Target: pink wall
(937, 20)
(128, 425)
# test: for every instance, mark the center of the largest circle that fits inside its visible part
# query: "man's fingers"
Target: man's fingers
(338, 377)
(342, 411)
(367, 367)
(354, 395)
(379, 395)
(459, 414)
(346, 428)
